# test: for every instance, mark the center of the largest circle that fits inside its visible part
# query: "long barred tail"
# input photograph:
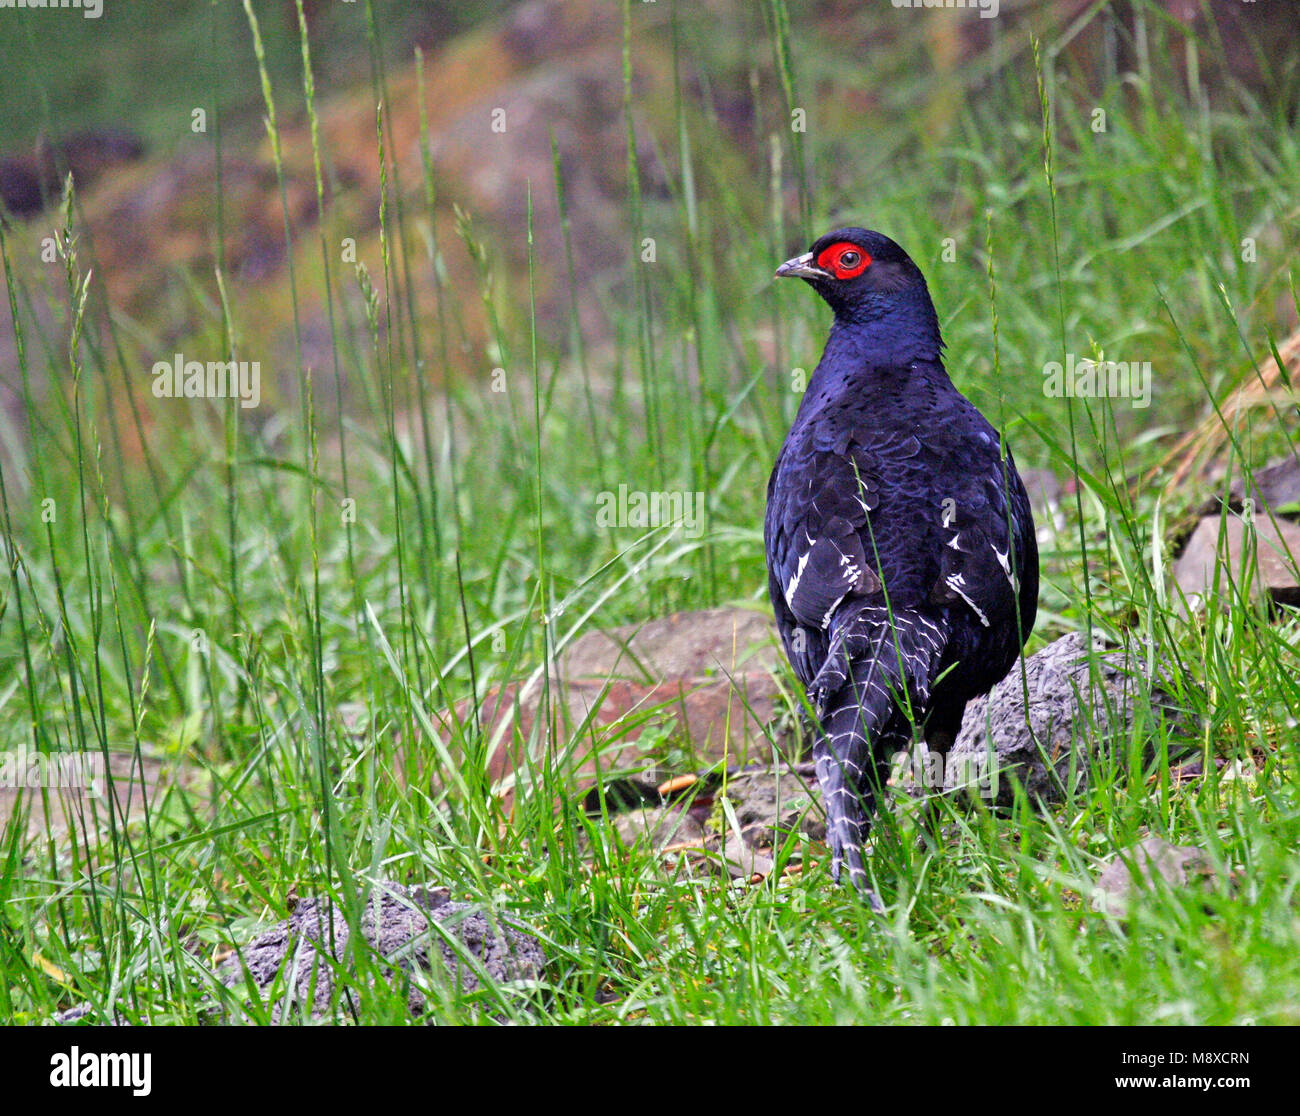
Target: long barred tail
(849, 769)
(864, 720)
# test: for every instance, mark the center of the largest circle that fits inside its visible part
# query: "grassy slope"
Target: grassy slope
(327, 639)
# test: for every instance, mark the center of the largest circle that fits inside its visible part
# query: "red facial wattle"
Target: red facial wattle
(844, 260)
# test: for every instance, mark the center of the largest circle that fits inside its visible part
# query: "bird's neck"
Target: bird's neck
(898, 332)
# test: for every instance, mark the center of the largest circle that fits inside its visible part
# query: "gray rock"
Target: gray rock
(80, 1013)
(1073, 715)
(743, 861)
(1276, 486)
(120, 790)
(661, 826)
(1221, 552)
(1136, 868)
(717, 642)
(700, 682)
(768, 803)
(396, 925)
(773, 802)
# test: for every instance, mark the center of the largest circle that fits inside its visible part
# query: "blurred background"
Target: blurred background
(500, 264)
(504, 257)
(925, 122)
(495, 259)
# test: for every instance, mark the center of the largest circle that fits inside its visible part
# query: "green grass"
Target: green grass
(144, 72)
(220, 602)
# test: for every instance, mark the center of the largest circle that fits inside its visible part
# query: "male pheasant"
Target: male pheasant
(902, 563)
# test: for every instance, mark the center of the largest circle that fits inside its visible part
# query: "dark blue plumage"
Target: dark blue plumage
(902, 562)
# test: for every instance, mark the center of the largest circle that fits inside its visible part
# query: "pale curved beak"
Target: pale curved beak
(801, 267)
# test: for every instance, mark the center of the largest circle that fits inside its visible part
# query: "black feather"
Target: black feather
(902, 563)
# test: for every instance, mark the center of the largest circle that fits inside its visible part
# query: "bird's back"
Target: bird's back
(900, 457)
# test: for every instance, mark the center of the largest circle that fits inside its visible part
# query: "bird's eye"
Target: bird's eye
(844, 260)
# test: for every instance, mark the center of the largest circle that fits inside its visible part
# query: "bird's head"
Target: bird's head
(863, 275)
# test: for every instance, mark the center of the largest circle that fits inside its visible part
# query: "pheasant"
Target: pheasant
(902, 562)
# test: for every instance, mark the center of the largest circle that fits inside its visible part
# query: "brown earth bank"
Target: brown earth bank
(506, 104)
